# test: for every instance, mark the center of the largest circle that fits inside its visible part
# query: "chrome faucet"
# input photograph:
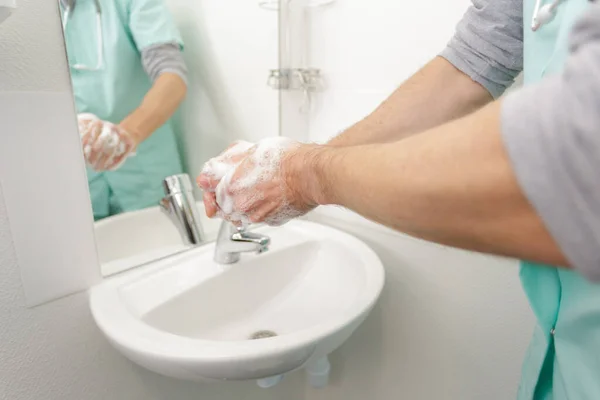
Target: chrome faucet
(179, 205)
(232, 241)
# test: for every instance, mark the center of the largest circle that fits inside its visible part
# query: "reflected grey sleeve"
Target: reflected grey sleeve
(164, 57)
(488, 44)
(551, 132)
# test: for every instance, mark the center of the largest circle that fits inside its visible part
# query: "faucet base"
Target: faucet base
(227, 258)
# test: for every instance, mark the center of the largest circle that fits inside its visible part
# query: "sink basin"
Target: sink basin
(189, 318)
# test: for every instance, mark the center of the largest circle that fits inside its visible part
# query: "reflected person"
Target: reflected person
(129, 77)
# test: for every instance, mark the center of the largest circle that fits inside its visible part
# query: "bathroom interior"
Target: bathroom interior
(164, 303)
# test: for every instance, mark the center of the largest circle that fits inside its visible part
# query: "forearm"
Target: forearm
(159, 104)
(436, 94)
(452, 184)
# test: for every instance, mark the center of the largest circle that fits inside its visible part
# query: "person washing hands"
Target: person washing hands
(441, 160)
(129, 78)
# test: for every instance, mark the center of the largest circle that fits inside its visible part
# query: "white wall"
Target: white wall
(450, 325)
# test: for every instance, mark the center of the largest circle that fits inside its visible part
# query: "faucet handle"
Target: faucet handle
(261, 241)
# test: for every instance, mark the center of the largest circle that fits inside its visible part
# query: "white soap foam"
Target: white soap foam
(112, 144)
(83, 122)
(109, 139)
(264, 166)
(218, 167)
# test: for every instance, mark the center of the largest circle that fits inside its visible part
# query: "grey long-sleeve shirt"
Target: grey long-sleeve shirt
(551, 130)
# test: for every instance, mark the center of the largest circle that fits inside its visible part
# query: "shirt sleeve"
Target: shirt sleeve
(151, 23)
(160, 58)
(488, 44)
(551, 132)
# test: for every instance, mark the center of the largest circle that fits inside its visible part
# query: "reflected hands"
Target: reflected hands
(265, 182)
(106, 146)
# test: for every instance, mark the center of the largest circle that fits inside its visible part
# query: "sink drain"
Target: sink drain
(262, 335)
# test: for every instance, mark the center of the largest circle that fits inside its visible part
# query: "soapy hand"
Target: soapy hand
(106, 146)
(251, 184)
(215, 169)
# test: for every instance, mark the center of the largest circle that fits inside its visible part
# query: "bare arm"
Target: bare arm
(159, 104)
(436, 94)
(480, 62)
(452, 184)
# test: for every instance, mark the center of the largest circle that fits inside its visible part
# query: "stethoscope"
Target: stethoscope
(99, 34)
(544, 14)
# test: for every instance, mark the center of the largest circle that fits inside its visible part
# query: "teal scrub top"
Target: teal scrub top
(563, 360)
(117, 89)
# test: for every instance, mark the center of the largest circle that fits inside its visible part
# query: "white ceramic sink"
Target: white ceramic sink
(190, 318)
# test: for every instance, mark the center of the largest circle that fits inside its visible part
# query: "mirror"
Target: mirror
(161, 86)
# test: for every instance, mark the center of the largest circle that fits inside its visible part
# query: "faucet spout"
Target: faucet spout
(180, 206)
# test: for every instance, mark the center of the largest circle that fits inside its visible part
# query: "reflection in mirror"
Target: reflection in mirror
(152, 110)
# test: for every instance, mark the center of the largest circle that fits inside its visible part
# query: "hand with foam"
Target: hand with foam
(255, 185)
(215, 169)
(106, 146)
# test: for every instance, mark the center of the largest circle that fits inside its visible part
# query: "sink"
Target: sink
(190, 318)
(129, 239)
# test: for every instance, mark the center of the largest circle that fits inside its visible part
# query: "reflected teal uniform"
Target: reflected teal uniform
(562, 362)
(117, 89)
